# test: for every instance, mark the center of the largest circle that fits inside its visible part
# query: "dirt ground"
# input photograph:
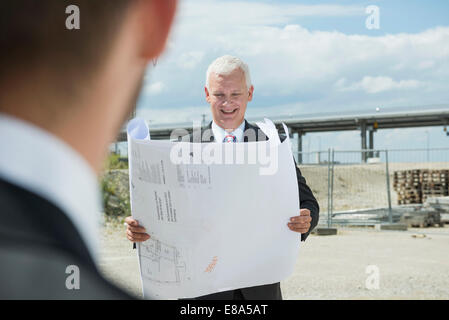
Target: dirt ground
(411, 264)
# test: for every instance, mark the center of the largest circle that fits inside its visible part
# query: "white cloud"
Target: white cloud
(190, 59)
(377, 84)
(295, 69)
(290, 57)
(186, 114)
(427, 64)
(154, 88)
(218, 12)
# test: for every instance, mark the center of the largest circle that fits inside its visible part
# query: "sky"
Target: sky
(308, 57)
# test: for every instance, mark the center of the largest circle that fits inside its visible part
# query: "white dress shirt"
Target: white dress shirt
(220, 133)
(45, 165)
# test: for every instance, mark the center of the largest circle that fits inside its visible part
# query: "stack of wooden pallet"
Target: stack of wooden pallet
(434, 183)
(415, 186)
(408, 186)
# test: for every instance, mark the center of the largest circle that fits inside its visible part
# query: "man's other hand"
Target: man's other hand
(134, 232)
(301, 223)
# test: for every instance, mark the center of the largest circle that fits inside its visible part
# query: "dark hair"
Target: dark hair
(33, 33)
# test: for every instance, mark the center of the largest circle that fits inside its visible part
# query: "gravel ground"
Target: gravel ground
(412, 264)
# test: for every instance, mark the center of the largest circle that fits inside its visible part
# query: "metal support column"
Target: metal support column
(363, 135)
(371, 142)
(390, 211)
(329, 190)
(332, 186)
(300, 147)
(291, 132)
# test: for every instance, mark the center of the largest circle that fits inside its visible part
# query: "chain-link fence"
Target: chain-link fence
(352, 190)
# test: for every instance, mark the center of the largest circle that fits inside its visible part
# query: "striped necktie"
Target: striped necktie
(230, 138)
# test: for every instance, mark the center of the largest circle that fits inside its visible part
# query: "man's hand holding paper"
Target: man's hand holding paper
(302, 222)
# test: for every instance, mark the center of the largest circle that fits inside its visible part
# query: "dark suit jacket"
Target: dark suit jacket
(37, 244)
(307, 201)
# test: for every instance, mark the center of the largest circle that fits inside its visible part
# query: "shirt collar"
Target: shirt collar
(41, 163)
(220, 133)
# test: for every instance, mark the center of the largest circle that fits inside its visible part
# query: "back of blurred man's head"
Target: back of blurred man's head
(53, 76)
(33, 34)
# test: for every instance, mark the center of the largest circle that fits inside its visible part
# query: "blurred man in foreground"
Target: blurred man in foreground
(64, 95)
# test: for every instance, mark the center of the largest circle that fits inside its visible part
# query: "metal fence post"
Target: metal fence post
(328, 186)
(332, 186)
(390, 211)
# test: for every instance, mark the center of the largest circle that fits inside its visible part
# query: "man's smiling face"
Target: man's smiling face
(228, 96)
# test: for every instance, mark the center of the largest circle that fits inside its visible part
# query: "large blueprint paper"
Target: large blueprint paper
(214, 226)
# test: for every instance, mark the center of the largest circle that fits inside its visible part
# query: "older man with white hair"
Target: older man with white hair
(228, 90)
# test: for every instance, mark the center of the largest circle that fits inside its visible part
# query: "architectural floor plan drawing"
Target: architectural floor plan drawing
(161, 263)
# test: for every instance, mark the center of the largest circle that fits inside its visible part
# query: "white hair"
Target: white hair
(225, 65)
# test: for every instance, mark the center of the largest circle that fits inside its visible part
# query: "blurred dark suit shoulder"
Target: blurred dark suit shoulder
(37, 244)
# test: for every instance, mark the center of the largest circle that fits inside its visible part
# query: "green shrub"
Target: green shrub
(114, 162)
(115, 191)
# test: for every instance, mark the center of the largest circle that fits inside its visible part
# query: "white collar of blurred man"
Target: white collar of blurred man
(39, 162)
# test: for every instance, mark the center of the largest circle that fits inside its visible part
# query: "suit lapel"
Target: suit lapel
(212, 137)
(252, 133)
